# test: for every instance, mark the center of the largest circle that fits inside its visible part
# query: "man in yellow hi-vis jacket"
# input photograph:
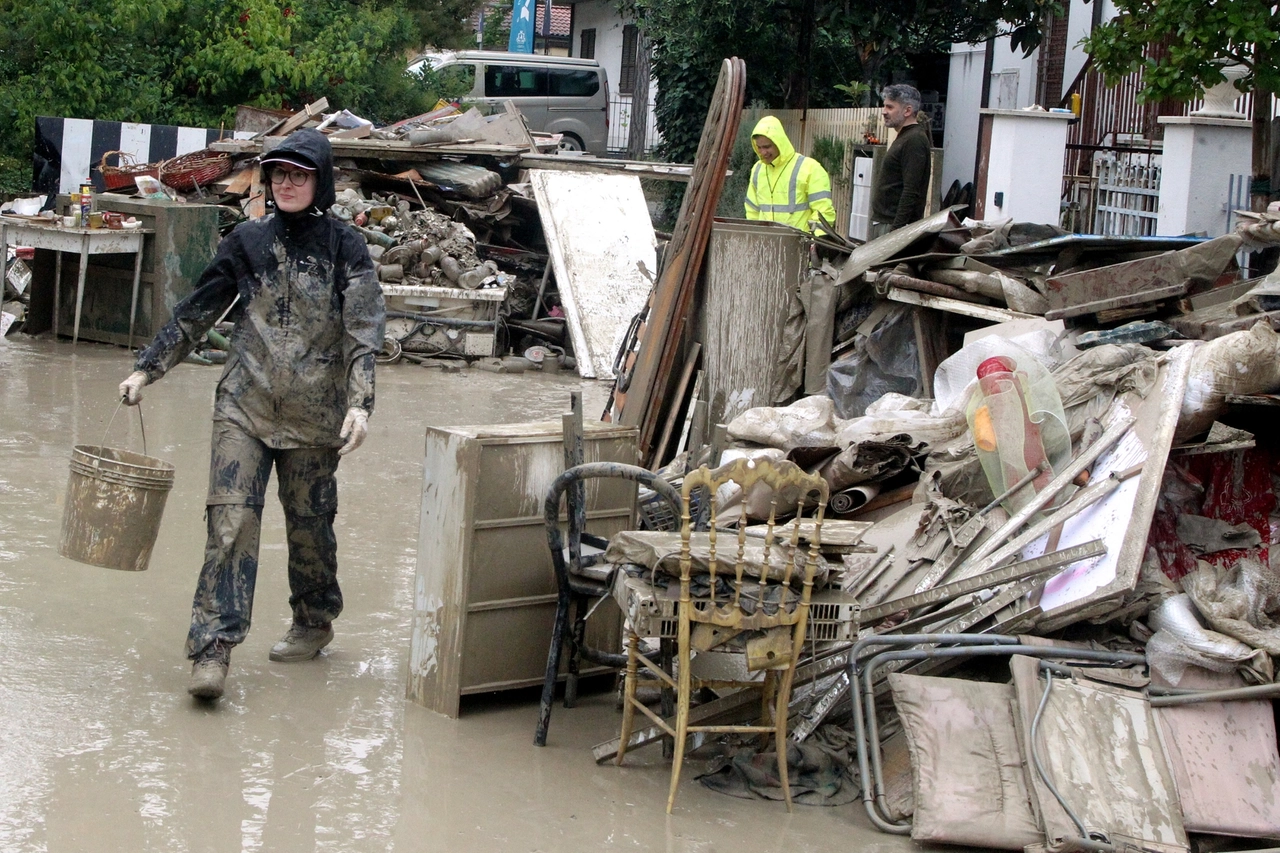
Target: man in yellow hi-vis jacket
(786, 186)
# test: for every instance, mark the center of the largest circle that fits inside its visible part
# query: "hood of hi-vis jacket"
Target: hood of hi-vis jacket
(793, 189)
(772, 128)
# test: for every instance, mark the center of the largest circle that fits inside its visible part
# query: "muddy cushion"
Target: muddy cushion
(970, 783)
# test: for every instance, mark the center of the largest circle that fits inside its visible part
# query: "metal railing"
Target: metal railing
(1126, 197)
(620, 126)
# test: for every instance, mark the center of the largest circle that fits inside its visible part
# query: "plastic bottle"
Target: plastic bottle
(86, 204)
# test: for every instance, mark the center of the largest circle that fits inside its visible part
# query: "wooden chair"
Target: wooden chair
(776, 652)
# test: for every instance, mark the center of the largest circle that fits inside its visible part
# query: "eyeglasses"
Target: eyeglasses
(297, 177)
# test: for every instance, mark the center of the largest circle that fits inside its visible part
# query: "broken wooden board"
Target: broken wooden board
(991, 313)
(835, 532)
(602, 249)
(681, 172)
(296, 121)
(1216, 320)
(752, 326)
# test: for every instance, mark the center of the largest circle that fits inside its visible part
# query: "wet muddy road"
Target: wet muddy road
(102, 749)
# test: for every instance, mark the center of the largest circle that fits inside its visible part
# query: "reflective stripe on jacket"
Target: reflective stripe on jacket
(794, 189)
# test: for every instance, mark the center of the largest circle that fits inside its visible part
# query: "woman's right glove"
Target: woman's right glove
(131, 388)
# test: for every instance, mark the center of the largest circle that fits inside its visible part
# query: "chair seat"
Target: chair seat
(592, 568)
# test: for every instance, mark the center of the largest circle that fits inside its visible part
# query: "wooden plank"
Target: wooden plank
(659, 171)
(351, 133)
(391, 149)
(955, 306)
(256, 206)
(682, 390)
(307, 113)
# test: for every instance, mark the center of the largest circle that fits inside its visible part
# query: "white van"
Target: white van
(556, 94)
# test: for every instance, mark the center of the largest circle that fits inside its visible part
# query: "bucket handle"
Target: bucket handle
(141, 424)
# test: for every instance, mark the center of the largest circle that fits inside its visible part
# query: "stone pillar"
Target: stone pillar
(1020, 170)
(1201, 153)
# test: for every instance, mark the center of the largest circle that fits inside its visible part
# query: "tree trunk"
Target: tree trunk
(797, 95)
(638, 131)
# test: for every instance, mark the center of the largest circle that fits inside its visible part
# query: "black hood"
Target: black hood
(314, 147)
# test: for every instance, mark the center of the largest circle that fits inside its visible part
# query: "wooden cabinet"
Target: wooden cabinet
(485, 591)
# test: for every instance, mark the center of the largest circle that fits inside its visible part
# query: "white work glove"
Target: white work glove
(131, 388)
(354, 428)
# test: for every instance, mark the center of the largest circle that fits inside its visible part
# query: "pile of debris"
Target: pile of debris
(1056, 599)
(461, 230)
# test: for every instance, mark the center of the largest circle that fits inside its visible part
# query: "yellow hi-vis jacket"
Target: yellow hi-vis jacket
(793, 189)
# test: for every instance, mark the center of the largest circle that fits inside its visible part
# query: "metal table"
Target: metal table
(86, 241)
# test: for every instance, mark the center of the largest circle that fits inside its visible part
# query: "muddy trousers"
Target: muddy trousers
(308, 491)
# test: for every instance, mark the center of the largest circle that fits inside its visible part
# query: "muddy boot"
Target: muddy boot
(301, 643)
(209, 672)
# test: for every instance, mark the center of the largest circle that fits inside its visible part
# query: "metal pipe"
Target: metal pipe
(443, 321)
(1087, 457)
(878, 568)
(864, 771)
(1165, 697)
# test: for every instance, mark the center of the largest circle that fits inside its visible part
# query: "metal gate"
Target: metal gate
(1128, 198)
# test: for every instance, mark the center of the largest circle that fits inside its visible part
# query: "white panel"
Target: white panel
(860, 210)
(192, 139)
(135, 140)
(599, 234)
(77, 140)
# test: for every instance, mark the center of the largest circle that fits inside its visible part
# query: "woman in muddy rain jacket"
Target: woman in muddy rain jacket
(296, 394)
(786, 186)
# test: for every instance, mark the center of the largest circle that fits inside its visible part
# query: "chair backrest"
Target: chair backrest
(789, 486)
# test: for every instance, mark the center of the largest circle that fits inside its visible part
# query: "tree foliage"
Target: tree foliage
(798, 52)
(1180, 45)
(191, 62)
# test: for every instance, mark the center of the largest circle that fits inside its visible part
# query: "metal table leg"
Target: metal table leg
(57, 290)
(84, 268)
(133, 302)
(4, 259)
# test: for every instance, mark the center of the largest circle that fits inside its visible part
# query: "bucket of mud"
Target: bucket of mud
(114, 502)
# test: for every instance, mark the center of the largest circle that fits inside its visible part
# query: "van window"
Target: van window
(574, 83)
(457, 79)
(514, 81)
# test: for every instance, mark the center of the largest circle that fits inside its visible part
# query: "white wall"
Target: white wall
(1013, 86)
(604, 18)
(602, 15)
(964, 97)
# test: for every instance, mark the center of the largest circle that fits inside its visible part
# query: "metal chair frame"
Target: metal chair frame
(574, 592)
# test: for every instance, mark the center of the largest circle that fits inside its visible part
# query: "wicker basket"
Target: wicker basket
(121, 176)
(201, 168)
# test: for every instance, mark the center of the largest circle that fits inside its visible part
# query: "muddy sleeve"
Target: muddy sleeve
(194, 316)
(364, 317)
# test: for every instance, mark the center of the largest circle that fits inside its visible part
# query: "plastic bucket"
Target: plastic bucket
(115, 499)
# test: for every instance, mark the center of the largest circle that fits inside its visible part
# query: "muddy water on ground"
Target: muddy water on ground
(101, 748)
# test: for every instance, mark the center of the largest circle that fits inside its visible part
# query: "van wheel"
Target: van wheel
(569, 142)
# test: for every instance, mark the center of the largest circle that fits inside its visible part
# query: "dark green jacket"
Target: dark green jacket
(902, 179)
